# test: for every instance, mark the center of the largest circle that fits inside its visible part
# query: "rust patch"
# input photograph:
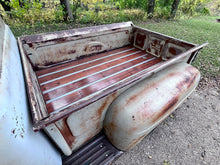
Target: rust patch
(66, 132)
(133, 98)
(175, 51)
(140, 40)
(110, 130)
(71, 52)
(82, 124)
(132, 130)
(30, 45)
(92, 48)
(189, 80)
(165, 109)
(134, 142)
(102, 108)
(107, 102)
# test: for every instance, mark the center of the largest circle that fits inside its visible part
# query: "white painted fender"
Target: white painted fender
(19, 144)
(142, 107)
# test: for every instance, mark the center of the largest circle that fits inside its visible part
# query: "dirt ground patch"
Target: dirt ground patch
(190, 136)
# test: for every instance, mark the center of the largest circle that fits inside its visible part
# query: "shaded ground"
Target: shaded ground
(190, 136)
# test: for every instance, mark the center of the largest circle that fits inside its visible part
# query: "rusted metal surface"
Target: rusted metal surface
(62, 87)
(38, 107)
(63, 35)
(19, 144)
(160, 45)
(80, 126)
(142, 107)
(98, 151)
(47, 49)
(70, 100)
(133, 79)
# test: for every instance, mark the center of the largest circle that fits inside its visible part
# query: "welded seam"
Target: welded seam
(71, 67)
(104, 78)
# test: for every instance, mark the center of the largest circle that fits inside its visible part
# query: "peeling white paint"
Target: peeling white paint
(19, 144)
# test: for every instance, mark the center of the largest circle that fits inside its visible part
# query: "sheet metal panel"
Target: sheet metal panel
(19, 144)
(52, 48)
(142, 107)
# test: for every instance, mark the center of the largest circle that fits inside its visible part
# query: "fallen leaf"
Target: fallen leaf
(166, 162)
(172, 116)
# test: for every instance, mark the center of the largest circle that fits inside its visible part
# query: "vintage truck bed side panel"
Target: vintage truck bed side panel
(71, 132)
(19, 144)
(142, 107)
(34, 92)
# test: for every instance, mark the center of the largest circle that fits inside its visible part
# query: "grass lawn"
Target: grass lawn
(197, 30)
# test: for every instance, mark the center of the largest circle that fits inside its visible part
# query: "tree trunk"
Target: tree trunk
(67, 10)
(21, 3)
(174, 8)
(5, 5)
(150, 10)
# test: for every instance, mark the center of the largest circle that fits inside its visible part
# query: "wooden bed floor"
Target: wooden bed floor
(65, 84)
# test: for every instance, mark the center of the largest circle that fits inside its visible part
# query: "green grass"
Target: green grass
(197, 30)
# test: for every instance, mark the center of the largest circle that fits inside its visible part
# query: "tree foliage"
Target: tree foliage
(32, 11)
(189, 6)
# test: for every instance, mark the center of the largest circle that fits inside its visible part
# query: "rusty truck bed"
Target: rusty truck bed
(69, 70)
(66, 84)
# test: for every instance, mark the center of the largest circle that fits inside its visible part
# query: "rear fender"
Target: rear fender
(142, 107)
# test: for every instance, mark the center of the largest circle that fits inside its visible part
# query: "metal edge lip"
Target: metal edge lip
(164, 35)
(70, 33)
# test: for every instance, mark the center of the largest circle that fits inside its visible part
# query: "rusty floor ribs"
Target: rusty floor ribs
(68, 83)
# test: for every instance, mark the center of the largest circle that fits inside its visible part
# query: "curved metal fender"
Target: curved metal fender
(19, 144)
(141, 108)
